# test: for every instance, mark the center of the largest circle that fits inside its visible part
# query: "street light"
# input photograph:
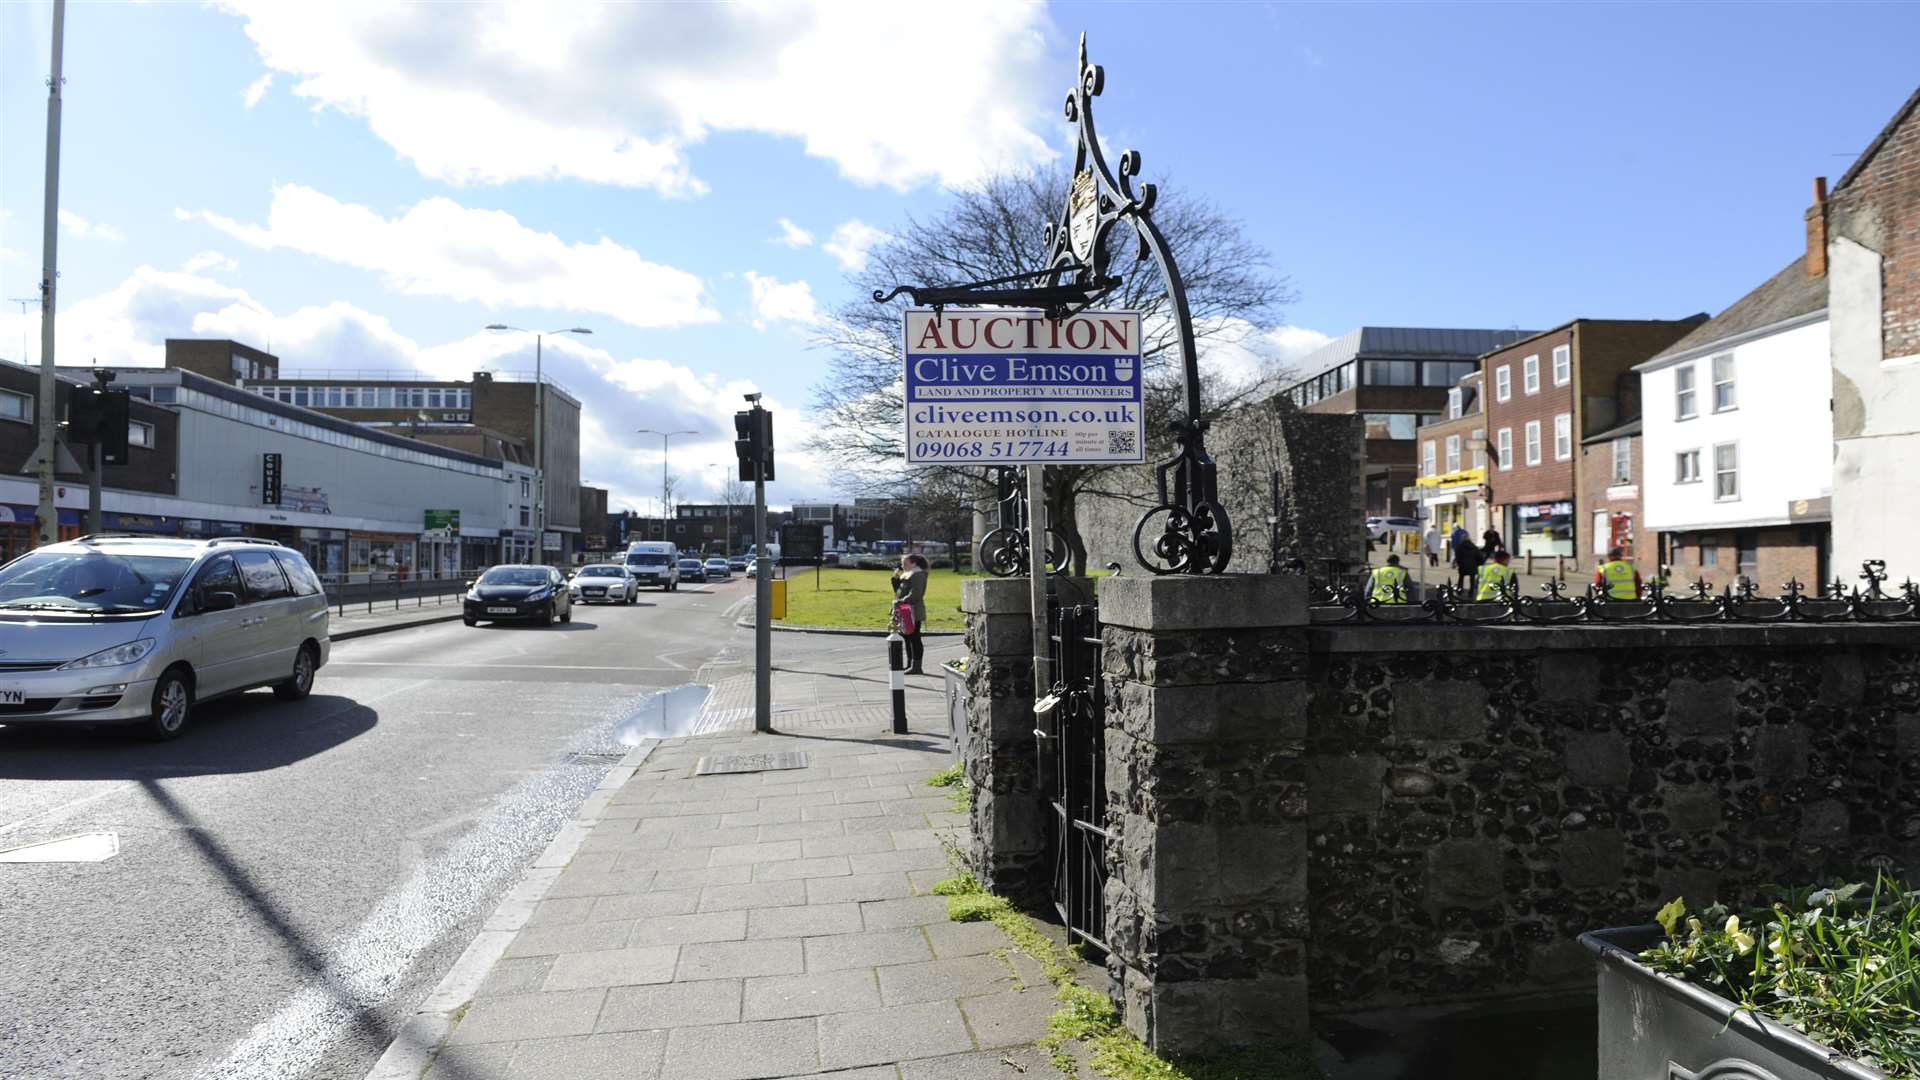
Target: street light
(539, 424)
(665, 438)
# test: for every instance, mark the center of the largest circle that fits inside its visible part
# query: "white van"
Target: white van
(654, 562)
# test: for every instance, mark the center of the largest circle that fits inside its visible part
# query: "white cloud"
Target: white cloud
(781, 301)
(83, 229)
(851, 241)
(128, 325)
(440, 248)
(617, 93)
(209, 260)
(1236, 354)
(256, 90)
(792, 235)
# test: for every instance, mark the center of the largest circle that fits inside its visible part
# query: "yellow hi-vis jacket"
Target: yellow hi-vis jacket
(1493, 581)
(1389, 585)
(1620, 580)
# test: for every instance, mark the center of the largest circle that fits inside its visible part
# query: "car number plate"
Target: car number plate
(502, 611)
(13, 697)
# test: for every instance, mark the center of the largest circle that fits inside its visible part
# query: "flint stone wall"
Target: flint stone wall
(1320, 459)
(1480, 796)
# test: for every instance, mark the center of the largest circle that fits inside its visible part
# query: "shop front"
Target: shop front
(440, 543)
(326, 550)
(17, 532)
(1450, 499)
(1541, 528)
(382, 555)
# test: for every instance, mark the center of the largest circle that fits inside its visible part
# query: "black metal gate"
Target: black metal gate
(1071, 737)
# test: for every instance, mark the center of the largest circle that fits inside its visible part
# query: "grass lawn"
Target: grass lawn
(864, 599)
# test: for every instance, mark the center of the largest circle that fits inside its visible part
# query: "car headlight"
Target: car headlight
(130, 653)
(541, 594)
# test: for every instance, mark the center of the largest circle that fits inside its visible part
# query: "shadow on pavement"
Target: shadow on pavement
(248, 733)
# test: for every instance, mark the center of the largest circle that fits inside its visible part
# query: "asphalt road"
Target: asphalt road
(292, 880)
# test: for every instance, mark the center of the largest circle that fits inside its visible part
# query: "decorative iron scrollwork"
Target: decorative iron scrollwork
(1006, 551)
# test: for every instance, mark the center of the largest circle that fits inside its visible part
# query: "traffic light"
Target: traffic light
(98, 415)
(753, 443)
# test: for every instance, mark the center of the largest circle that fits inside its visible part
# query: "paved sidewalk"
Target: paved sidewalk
(759, 925)
(358, 623)
(838, 683)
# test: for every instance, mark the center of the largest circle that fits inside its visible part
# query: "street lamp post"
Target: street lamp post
(539, 427)
(665, 438)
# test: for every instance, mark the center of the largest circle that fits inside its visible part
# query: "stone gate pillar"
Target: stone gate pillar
(1207, 872)
(1008, 850)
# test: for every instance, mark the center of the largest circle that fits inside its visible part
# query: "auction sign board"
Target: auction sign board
(1017, 388)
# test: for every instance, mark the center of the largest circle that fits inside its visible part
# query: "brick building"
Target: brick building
(1545, 393)
(1396, 379)
(1867, 234)
(1609, 487)
(1453, 463)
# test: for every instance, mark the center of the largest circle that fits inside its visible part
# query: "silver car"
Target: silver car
(137, 630)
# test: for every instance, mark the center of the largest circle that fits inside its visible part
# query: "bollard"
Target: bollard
(897, 680)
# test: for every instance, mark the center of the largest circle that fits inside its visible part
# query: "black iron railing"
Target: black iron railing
(1072, 760)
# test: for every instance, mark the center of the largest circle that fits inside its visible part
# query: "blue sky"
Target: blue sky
(404, 178)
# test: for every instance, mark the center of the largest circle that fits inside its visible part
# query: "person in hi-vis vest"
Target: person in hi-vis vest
(1389, 584)
(1495, 579)
(1616, 578)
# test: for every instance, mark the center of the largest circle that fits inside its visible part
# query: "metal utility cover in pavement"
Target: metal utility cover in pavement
(736, 763)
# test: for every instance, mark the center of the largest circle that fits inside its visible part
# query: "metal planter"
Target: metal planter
(1655, 1026)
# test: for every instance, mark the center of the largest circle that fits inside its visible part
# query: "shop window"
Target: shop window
(1709, 554)
(1746, 544)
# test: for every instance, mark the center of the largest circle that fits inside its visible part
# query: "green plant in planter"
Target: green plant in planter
(1841, 965)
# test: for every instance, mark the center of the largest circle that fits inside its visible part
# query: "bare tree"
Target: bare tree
(999, 229)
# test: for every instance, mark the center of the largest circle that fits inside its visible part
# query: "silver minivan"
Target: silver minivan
(137, 630)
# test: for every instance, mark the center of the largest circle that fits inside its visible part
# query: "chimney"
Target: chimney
(1817, 230)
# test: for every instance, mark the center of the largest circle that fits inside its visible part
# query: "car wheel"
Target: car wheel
(172, 706)
(300, 684)
(471, 622)
(546, 619)
(568, 617)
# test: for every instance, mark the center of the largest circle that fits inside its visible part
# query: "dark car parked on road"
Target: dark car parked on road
(519, 594)
(693, 570)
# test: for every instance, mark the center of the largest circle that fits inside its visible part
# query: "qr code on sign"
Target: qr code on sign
(1122, 442)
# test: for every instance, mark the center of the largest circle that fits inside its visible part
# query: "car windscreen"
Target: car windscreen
(601, 571)
(514, 575)
(690, 563)
(90, 581)
(646, 558)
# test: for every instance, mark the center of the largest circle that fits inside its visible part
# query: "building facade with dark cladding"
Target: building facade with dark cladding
(1396, 379)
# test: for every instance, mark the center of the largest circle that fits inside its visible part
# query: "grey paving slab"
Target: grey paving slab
(482, 1061)
(665, 859)
(781, 996)
(952, 939)
(518, 975)
(573, 937)
(887, 824)
(739, 959)
(803, 830)
(935, 980)
(559, 912)
(780, 816)
(804, 920)
(879, 862)
(612, 967)
(773, 851)
(1016, 1018)
(513, 1017)
(742, 1051)
(892, 1034)
(704, 876)
(839, 812)
(909, 911)
(1023, 1063)
(744, 834)
(876, 1072)
(683, 823)
(916, 838)
(670, 1005)
(573, 882)
(857, 887)
(757, 895)
(869, 948)
(647, 905)
(682, 929)
(844, 844)
(630, 1055)
(821, 866)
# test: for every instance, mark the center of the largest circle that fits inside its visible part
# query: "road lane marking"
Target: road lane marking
(87, 847)
(496, 665)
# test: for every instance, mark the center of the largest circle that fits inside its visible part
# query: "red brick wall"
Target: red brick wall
(1784, 552)
(1890, 186)
(1550, 479)
(1596, 476)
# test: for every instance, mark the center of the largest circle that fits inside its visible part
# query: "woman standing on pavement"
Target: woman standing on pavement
(910, 588)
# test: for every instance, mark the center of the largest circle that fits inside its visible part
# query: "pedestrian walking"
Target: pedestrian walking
(1466, 562)
(1491, 542)
(910, 608)
(1388, 584)
(1616, 578)
(1433, 545)
(1495, 580)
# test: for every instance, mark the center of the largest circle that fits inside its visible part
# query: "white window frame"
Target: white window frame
(1563, 437)
(1503, 444)
(1732, 471)
(1454, 397)
(1686, 393)
(140, 433)
(1530, 374)
(1426, 457)
(1452, 456)
(1562, 365)
(1622, 460)
(1686, 466)
(1502, 383)
(24, 403)
(1479, 440)
(1533, 442)
(1726, 384)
